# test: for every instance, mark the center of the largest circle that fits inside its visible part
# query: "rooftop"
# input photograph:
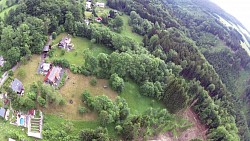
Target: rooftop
(2, 112)
(54, 74)
(17, 85)
(46, 48)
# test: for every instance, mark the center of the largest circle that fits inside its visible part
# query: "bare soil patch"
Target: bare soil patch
(196, 131)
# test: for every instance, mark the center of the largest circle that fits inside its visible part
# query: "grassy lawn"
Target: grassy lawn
(7, 10)
(80, 44)
(136, 102)
(6, 128)
(87, 14)
(78, 125)
(27, 74)
(72, 90)
(3, 3)
(127, 30)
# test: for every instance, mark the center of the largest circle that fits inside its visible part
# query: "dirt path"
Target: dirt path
(197, 130)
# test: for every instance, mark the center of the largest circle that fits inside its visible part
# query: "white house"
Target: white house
(100, 4)
(88, 5)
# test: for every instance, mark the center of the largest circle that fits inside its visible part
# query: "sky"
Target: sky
(240, 9)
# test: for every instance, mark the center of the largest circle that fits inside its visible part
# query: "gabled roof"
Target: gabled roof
(54, 74)
(46, 48)
(1, 61)
(100, 4)
(17, 85)
(46, 66)
(31, 112)
(2, 112)
(65, 40)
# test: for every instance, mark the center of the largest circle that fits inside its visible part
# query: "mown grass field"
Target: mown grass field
(136, 102)
(80, 44)
(27, 74)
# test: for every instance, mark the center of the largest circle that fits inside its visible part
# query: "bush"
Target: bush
(82, 110)
(53, 35)
(41, 101)
(62, 102)
(116, 83)
(32, 95)
(62, 52)
(51, 53)
(93, 81)
(61, 62)
(86, 72)
(62, 80)
(11, 73)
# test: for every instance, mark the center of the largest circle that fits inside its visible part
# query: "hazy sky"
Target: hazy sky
(238, 8)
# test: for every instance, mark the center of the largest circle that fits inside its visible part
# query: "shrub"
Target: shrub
(61, 62)
(62, 52)
(62, 80)
(93, 81)
(86, 72)
(54, 35)
(116, 83)
(82, 110)
(41, 101)
(11, 73)
(32, 95)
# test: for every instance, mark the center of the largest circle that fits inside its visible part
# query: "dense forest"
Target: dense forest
(175, 64)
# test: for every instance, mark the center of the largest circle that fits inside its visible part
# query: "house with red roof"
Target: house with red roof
(53, 75)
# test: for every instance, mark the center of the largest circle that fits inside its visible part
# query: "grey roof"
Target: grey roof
(2, 112)
(17, 85)
(46, 48)
(1, 61)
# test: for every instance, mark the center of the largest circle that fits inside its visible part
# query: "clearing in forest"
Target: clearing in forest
(75, 56)
(196, 131)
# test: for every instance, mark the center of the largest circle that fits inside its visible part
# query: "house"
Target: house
(45, 67)
(17, 86)
(87, 21)
(100, 4)
(2, 112)
(46, 49)
(88, 5)
(2, 61)
(65, 43)
(99, 19)
(53, 75)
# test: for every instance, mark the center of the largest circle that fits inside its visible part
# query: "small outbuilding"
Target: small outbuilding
(100, 4)
(2, 112)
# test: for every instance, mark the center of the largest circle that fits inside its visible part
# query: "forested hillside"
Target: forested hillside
(187, 58)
